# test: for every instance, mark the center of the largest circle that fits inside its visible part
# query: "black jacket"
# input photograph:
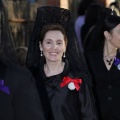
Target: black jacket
(22, 101)
(67, 104)
(106, 85)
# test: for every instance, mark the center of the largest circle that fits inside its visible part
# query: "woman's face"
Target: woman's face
(115, 37)
(53, 45)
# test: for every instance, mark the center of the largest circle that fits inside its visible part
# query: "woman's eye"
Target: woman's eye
(48, 42)
(59, 43)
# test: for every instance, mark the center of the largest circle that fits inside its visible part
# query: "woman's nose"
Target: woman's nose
(54, 45)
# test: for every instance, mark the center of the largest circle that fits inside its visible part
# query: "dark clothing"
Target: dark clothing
(69, 104)
(22, 102)
(106, 85)
(86, 31)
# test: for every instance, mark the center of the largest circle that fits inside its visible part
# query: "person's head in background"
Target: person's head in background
(90, 22)
(115, 6)
(82, 7)
(111, 32)
(107, 30)
(92, 13)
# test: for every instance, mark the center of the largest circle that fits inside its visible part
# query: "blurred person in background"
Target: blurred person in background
(82, 7)
(87, 28)
(19, 99)
(115, 6)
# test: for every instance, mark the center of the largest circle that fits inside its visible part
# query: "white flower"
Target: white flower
(71, 86)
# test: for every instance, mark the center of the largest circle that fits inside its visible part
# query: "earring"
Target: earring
(64, 55)
(41, 54)
(112, 12)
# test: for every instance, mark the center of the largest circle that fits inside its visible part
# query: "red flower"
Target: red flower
(75, 83)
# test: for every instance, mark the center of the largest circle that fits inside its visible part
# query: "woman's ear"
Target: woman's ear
(107, 35)
(40, 46)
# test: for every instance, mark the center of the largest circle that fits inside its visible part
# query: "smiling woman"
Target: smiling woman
(56, 62)
(53, 47)
(53, 44)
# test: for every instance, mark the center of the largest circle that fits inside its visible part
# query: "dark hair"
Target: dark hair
(83, 6)
(111, 22)
(92, 13)
(115, 4)
(50, 27)
(107, 20)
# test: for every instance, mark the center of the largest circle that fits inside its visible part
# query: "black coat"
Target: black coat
(106, 86)
(22, 102)
(67, 104)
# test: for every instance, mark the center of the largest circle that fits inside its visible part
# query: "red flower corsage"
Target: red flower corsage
(72, 83)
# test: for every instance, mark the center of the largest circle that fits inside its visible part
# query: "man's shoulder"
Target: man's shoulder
(18, 70)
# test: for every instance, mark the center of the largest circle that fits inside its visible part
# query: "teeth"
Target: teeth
(53, 53)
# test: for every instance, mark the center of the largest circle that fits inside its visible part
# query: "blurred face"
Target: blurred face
(53, 45)
(115, 37)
